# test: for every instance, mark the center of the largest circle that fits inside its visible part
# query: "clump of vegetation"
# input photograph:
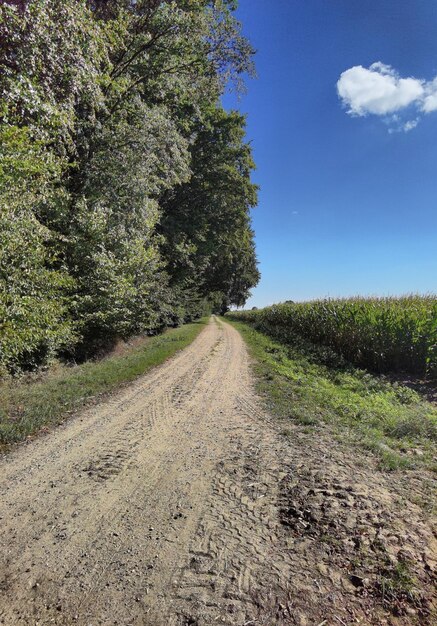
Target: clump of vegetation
(380, 334)
(124, 185)
(396, 583)
(43, 400)
(304, 384)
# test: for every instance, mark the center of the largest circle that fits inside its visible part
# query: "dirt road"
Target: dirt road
(165, 505)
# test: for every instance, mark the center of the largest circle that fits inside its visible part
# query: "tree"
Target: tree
(206, 221)
(34, 324)
(125, 185)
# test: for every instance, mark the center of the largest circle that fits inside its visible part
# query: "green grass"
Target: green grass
(28, 406)
(311, 386)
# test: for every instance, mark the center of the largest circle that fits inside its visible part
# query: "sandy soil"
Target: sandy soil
(178, 502)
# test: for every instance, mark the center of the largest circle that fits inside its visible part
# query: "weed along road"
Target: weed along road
(173, 503)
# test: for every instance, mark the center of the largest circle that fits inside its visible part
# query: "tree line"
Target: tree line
(125, 186)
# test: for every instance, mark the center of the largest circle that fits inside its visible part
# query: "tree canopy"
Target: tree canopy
(125, 189)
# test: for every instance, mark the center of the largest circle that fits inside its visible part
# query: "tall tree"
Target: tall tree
(207, 239)
(110, 120)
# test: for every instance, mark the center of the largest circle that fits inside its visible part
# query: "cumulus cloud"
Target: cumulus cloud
(377, 90)
(380, 90)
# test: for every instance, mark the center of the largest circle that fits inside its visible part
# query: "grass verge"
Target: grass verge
(310, 385)
(26, 407)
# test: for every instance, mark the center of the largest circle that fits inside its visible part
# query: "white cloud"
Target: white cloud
(377, 90)
(380, 90)
(402, 127)
(429, 103)
(410, 125)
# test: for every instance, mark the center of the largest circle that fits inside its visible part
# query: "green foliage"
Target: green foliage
(381, 334)
(33, 287)
(206, 224)
(109, 120)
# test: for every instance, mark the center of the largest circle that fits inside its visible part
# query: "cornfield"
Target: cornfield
(380, 334)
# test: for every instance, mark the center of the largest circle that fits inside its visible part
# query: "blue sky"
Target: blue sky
(348, 201)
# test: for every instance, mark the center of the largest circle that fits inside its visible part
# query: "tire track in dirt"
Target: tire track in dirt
(165, 505)
(124, 421)
(73, 486)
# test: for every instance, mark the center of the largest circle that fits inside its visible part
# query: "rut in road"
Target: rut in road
(142, 510)
(177, 502)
